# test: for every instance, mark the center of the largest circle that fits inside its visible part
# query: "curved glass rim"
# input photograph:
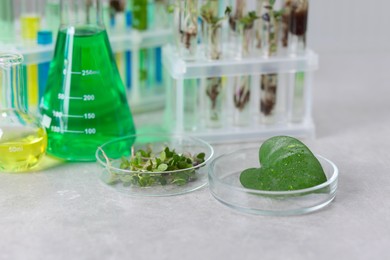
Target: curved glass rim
(10, 58)
(264, 192)
(106, 165)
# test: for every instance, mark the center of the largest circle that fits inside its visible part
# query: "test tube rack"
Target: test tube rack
(186, 109)
(140, 99)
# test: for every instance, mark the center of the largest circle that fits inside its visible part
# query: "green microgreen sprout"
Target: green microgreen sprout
(144, 168)
(248, 20)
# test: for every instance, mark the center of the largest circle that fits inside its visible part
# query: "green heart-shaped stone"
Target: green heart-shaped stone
(286, 164)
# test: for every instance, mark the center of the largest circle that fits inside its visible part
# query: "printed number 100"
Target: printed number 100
(90, 131)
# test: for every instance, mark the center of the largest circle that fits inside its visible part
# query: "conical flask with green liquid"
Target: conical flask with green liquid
(85, 103)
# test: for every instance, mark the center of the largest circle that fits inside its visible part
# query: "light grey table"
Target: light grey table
(66, 213)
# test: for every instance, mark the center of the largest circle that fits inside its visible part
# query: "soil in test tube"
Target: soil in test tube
(298, 20)
(92, 108)
(269, 82)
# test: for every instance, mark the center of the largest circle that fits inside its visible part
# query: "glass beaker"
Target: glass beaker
(85, 102)
(23, 140)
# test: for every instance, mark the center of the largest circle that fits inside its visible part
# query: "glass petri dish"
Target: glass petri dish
(225, 186)
(152, 183)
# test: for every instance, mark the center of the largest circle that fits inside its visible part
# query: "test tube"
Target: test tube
(268, 82)
(160, 21)
(118, 26)
(298, 25)
(242, 34)
(52, 16)
(6, 21)
(44, 38)
(212, 41)
(161, 18)
(241, 24)
(30, 22)
(128, 54)
(297, 46)
(186, 28)
(142, 20)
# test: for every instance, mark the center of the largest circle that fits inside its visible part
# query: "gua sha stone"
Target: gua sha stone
(286, 164)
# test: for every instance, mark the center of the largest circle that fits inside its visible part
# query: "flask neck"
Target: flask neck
(81, 12)
(13, 93)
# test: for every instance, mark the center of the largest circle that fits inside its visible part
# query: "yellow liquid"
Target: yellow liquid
(30, 26)
(33, 89)
(23, 150)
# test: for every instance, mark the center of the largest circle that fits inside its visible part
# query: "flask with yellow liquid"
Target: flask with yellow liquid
(23, 140)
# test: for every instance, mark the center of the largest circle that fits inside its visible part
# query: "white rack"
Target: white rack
(179, 71)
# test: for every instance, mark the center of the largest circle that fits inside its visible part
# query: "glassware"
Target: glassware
(191, 104)
(241, 96)
(186, 28)
(224, 184)
(258, 26)
(142, 20)
(212, 37)
(23, 140)
(85, 103)
(212, 29)
(44, 38)
(268, 82)
(298, 26)
(297, 45)
(161, 14)
(30, 20)
(215, 104)
(149, 182)
(242, 35)
(241, 99)
(241, 23)
(6, 21)
(52, 15)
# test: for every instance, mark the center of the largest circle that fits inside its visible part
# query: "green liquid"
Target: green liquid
(140, 14)
(85, 103)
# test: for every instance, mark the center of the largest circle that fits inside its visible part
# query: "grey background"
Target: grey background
(65, 213)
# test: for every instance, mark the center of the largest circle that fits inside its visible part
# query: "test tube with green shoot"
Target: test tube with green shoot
(241, 22)
(269, 82)
(6, 21)
(297, 45)
(237, 13)
(142, 19)
(212, 43)
(186, 28)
